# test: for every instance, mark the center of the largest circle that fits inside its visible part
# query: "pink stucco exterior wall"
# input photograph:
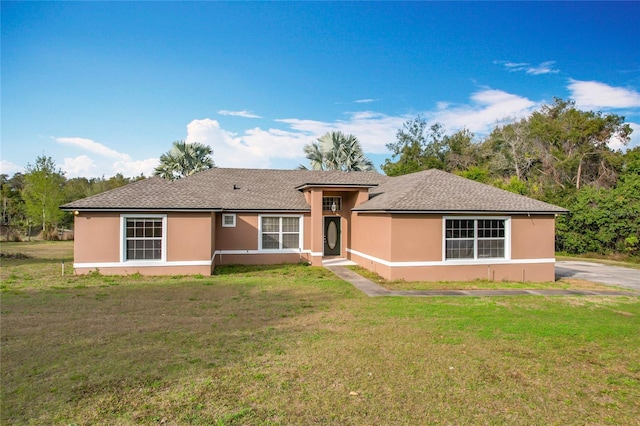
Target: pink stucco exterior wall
(99, 238)
(392, 245)
(244, 237)
(418, 238)
(187, 236)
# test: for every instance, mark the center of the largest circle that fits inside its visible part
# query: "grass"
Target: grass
(44, 250)
(295, 345)
(564, 284)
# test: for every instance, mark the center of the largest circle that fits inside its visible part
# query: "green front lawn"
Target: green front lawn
(562, 284)
(296, 345)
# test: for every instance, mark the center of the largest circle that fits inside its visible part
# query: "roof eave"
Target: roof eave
(335, 185)
(170, 209)
(502, 212)
(232, 210)
(138, 209)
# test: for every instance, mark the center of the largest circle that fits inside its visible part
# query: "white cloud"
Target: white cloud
(595, 95)
(309, 127)
(9, 168)
(93, 146)
(135, 167)
(259, 147)
(373, 129)
(253, 149)
(365, 101)
(542, 68)
(104, 165)
(264, 144)
(487, 107)
(81, 166)
(244, 113)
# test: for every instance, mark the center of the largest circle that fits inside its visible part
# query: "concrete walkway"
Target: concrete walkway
(372, 289)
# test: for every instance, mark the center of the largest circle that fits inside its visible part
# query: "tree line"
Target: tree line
(558, 154)
(31, 200)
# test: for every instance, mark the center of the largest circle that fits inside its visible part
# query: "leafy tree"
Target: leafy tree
(476, 173)
(43, 194)
(574, 144)
(184, 159)
(461, 151)
(558, 154)
(337, 151)
(512, 150)
(603, 220)
(417, 147)
(11, 202)
(81, 187)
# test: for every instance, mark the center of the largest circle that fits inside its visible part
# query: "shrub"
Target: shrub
(50, 234)
(13, 236)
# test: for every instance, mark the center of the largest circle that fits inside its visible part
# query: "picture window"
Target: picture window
(475, 238)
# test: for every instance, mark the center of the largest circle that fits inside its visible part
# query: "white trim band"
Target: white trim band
(284, 251)
(134, 264)
(451, 262)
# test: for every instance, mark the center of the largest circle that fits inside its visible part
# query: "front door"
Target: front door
(332, 235)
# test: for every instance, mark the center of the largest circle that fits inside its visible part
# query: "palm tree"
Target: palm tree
(184, 159)
(337, 151)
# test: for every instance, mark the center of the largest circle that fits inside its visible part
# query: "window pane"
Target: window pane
(459, 249)
(270, 241)
(491, 228)
(456, 228)
(270, 224)
(290, 241)
(490, 248)
(290, 224)
(157, 229)
(466, 229)
(148, 229)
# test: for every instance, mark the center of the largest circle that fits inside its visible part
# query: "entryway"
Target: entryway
(332, 235)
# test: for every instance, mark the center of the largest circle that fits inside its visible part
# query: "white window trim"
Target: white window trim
(476, 260)
(232, 215)
(281, 250)
(123, 240)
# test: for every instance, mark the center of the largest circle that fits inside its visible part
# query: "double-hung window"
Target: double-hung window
(470, 238)
(144, 237)
(280, 232)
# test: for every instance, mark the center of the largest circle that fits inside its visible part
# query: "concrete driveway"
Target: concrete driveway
(597, 272)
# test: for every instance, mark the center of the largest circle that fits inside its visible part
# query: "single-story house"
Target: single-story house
(429, 225)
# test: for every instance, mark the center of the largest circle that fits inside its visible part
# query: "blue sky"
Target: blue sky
(106, 87)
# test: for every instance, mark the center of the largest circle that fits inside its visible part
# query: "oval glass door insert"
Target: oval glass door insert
(332, 235)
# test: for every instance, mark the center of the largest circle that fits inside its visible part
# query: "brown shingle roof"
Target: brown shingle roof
(438, 191)
(227, 189)
(279, 190)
